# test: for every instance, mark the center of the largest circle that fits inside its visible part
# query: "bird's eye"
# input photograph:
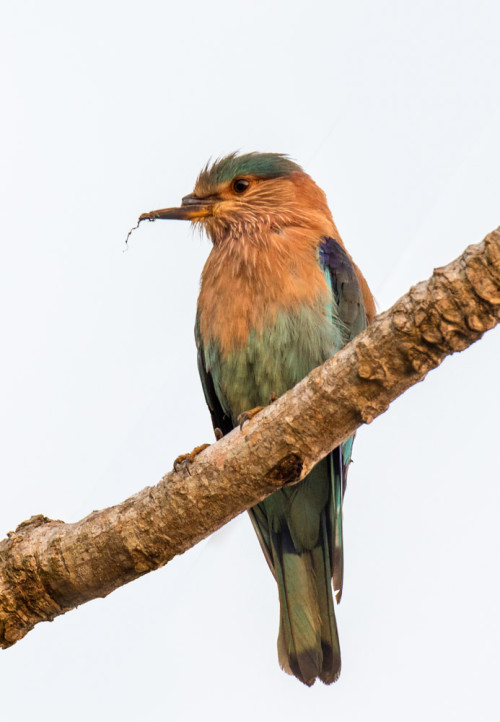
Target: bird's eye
(240, 185)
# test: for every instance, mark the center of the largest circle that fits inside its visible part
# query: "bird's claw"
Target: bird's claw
(184, 461)
(248, 415)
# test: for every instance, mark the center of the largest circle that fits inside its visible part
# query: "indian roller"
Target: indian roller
(279, 296)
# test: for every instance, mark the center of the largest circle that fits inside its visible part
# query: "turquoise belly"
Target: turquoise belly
(273, 360)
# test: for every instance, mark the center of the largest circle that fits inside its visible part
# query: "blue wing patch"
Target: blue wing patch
(344, 283)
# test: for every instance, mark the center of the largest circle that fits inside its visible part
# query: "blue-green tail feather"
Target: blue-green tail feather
(299, 529)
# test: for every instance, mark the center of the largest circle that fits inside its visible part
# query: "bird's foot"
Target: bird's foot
(184, 461)
(248, 415)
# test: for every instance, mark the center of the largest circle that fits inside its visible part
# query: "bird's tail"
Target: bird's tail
(308, 644)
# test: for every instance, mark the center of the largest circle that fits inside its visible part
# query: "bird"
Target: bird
(279, 295)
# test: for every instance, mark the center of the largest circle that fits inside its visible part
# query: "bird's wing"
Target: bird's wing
(347, 293)
(220, 419)
(348, 310)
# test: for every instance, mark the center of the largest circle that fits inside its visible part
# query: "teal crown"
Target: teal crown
(260, 165)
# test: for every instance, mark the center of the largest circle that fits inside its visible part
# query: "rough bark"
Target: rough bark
(48, 567)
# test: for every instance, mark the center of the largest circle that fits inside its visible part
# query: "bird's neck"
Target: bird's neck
(253, 274)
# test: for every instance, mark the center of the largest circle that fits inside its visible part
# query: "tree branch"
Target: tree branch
(48, 567)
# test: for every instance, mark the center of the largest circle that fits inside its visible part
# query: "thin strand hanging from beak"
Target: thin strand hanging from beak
(132, 230)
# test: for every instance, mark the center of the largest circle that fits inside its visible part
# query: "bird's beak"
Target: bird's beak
(192, 209)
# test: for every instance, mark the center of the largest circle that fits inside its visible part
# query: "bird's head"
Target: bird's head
(241, 194)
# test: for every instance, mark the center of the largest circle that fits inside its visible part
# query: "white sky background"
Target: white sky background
(111, 109)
